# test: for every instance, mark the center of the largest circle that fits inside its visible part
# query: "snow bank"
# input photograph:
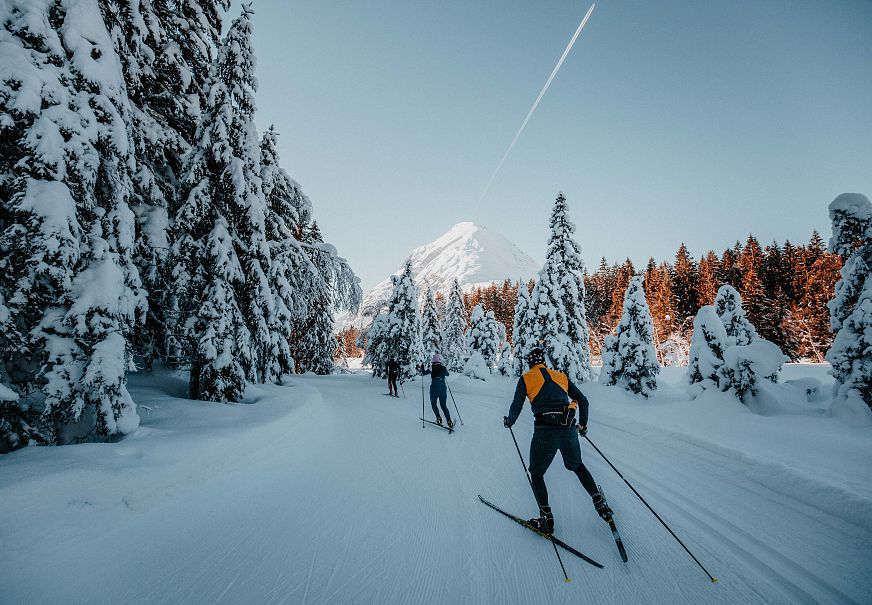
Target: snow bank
(7, 394)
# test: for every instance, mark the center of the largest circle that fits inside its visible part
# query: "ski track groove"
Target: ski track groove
(765, 555)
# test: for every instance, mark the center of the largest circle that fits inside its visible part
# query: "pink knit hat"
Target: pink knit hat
(437, 358)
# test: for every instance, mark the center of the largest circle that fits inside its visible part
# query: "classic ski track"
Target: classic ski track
(706, 519)
(350, 502)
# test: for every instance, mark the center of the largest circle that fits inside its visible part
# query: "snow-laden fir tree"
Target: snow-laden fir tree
(728, 306)
(629, 358)
(565, 255)
(222, 303)
(548, 319)
(851, 216)
(72, 292)
(454, 333)
(851, 353)
(754, 355)
(521, 330)
(431, 337)
(334, 287)
(376, 344)
(292, 274)
(402, 335)
(705, 367)
(166, 51)
(483, 336)
(506, 363)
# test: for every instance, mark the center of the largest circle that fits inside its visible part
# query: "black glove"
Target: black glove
(582, 430)
(506, 422)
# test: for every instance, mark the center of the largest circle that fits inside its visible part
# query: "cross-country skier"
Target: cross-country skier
(393, 374)
(438, 390)
(555, 401)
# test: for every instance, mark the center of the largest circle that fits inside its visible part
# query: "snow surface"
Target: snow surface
(327, 491)
(469, 253)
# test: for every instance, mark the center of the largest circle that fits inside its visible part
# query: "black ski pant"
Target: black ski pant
(439, 392)
(547, 440)
(392, 385)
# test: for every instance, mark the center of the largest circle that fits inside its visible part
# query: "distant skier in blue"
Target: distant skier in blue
(438, 388)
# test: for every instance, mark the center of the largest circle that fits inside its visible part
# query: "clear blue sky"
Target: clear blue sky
(670, 121)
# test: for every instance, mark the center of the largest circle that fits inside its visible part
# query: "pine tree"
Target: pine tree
(623, 276)
(849, 356)
(629, 357)
(521, 330)
(728, 306)
(505, 365)
(292, 274)
(432, 332)
(376, 343)
(705, 367)
(707, 282)
(72, 293)
(454, 334)
(330, 288)
(166, 51)
(483, 336)
(851, 216)
(220, 255)
(548, 319)
(684, 278)
(561, 318)
(403, 325)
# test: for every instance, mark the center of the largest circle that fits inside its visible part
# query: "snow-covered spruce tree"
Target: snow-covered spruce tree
(566, 256)
(850, 353)
(454, 333)
(728, 306)
(333, 287)
(547, 320)
(72, 292)
(403, 325)
(220, 256)
(431, 337)
(753, 355)
(376, 342)
(506, 363)
(166, 50)
(483, 336)
(291, 270)
(521, 330)
(629, 358)
(705, 367)
(851, 216)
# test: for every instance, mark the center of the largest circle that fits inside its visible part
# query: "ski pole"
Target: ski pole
(403, 389)
(422, 400)
(530, 481)
(455, 403)
(711, 577)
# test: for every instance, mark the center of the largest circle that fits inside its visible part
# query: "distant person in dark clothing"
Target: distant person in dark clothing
(438, 389)
(393, 374)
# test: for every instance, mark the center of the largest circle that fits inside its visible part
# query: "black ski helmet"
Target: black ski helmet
(535, 357)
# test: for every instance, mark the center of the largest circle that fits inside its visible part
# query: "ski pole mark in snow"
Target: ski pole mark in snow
(535, 105)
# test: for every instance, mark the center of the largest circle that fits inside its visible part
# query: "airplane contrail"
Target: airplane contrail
(535, 105)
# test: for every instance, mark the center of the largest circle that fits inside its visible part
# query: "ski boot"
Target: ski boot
(601, 505)
(450, 423)
(439, 420)
(543, 523)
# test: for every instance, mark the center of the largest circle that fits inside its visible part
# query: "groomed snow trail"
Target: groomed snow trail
(346, 499)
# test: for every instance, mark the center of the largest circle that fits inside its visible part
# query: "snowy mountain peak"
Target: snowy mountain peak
(469, 253)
